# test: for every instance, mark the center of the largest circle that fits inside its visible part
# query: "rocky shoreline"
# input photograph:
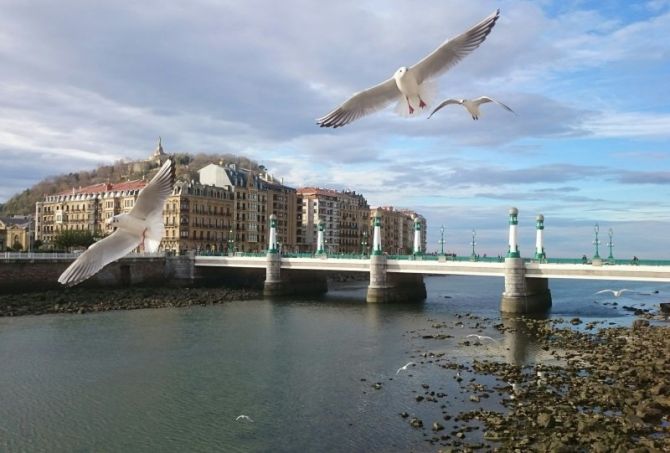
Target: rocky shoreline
(86, 300)
(595, 390)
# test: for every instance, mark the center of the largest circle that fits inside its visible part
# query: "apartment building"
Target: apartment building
(345, 215)
(397, 229)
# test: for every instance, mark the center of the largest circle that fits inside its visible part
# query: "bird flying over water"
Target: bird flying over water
(142, 226)
(480, 337)
(471, 105)
(404, 368)
(411, 87)
(244, 417)
(616, 293)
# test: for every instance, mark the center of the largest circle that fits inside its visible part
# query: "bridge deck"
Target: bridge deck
(495, 269)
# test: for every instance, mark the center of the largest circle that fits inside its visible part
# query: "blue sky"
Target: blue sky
(85, 83)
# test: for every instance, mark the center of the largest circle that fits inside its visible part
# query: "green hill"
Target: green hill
(187, 169)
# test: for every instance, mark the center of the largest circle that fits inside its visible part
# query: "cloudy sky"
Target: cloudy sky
(85, 83)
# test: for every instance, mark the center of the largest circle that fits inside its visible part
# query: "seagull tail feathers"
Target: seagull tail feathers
(427, 94)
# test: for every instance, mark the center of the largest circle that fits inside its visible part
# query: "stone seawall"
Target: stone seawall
(23, 275)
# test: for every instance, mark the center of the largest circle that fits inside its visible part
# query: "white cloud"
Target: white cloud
(610, 124)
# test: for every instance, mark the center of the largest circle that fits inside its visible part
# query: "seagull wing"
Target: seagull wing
(602, 291)
(361, 103)
(454, 50)
(115, 246)
(484, 99)
(442, 104)
(152, 197)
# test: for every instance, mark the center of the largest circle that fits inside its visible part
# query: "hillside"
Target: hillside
(187, 168)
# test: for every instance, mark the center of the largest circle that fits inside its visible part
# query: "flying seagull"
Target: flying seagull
(244, 417)
(404, 368)
(143, 225)
(616, 293)
(411, 85)
(471, 105)
(480, 337)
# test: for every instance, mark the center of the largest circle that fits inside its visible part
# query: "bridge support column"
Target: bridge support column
(385, 287)
(523, 295)
(378, 290)
(273, 285)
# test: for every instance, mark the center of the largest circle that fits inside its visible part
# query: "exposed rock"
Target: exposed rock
(640, 323)
(415, 422)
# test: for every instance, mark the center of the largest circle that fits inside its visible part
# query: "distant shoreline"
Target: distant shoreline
(87, 300)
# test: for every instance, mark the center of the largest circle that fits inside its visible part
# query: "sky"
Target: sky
(87, 83)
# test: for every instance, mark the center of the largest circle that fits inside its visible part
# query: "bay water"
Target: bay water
(302, 369)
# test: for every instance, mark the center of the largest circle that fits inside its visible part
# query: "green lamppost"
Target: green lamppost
(320, 242)
(473, 255)
(416, 249)
(610, 245)
(596, 242)
(442, 240)
(377, 236)
(231, 242)
(272, 245)
(364, 243)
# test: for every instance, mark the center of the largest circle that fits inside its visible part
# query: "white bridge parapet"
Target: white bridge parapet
(491, 269)
(609, 272)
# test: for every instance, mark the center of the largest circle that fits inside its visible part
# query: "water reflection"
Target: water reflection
(521, 339)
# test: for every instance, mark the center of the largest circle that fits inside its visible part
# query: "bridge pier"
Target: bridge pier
(523, 295)
(387, 287)
(273, 284)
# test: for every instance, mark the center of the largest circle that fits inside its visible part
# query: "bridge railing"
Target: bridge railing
(427, 257)
(65, 255)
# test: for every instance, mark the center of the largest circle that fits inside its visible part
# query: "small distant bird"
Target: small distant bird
(142, 226)
(404, 368)
(480, 337)
(411, 84)
(616, 293)
(244, 417)
(471, 105)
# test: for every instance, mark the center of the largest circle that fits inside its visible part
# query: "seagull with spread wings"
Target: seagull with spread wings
(142, 226)
(411, 85)
(471, 105)
(615, 292)
(404, 368)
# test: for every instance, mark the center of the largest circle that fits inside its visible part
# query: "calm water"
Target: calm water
(175, 379)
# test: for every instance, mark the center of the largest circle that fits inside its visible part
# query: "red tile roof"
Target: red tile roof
(317, 191)
(106, 187)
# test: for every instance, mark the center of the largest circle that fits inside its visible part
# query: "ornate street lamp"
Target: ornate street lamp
(473, 256)
(364, 243)
(231, 242)
(596, 242)
(610, 245)
(441, 240)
